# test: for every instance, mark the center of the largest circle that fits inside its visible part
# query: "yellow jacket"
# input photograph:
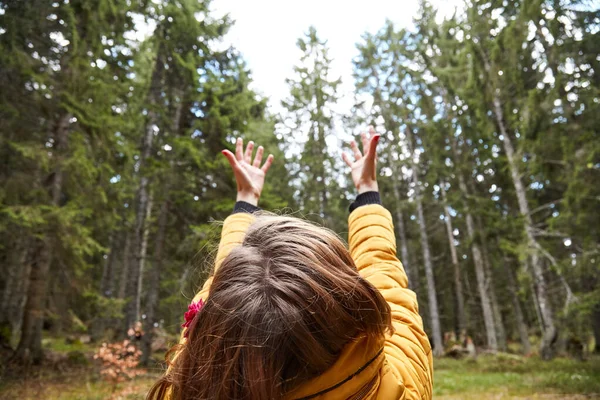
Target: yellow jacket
(404, 369)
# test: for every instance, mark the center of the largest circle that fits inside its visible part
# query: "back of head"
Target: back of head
(280, 309)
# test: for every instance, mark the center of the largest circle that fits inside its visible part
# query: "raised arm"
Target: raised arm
(373, 249)
(250, 178)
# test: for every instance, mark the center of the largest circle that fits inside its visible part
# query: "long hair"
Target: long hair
(280, 309)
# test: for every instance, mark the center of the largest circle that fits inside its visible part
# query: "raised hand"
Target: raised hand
(364, 172)
(249, 175)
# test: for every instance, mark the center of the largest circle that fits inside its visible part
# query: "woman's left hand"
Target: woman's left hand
(249, 175)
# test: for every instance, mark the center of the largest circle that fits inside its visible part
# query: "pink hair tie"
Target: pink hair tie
(189, 316)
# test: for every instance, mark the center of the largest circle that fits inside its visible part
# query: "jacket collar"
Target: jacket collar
(358, 364)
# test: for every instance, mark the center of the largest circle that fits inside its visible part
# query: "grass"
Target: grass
(60, 345)
(487, 377)
(504, 377)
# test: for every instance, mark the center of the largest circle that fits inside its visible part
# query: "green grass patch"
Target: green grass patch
(515, 376)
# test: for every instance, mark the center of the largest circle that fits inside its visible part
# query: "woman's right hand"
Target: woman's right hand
(364, 172)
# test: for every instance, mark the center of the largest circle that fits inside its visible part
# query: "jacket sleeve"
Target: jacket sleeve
(373, 249)
(232, 235)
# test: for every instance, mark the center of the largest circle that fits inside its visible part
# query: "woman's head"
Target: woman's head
(280, 309)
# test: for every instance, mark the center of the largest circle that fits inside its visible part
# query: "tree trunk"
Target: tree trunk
(536, 306)
(153, 286)
(15, 293)
(596, 327)
(143, 201)
(438, 347)
(125, 266)
(106, 282)
(19, 300)
(461, 318)
(482, 284)
(519, 319)
(136, 262)
(550, 330)
(411, 270)
(30, 349)
(498, 323)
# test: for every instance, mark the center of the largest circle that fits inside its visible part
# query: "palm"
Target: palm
(357, 168)
(364, 167)
(254, 177)
(249, 175)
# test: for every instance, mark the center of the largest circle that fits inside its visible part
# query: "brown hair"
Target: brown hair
(280, 309)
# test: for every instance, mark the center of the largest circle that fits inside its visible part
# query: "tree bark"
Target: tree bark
(482, 284)
(153, 286)
(30, 349)
(461, 318)
(519, 318)
(438, 347)
(537, 271)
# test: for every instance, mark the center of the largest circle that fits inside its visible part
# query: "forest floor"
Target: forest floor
(487, 377)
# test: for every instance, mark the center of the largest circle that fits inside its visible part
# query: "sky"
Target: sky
(266, 32)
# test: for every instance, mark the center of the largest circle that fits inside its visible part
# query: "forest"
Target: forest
(112, 184)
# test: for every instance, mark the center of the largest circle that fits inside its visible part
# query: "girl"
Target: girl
(291, 313)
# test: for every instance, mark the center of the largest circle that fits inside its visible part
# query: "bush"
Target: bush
(119, 361)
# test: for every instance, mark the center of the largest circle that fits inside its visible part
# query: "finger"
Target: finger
(248, 154)
(346, 159)
(355, 150)
(372, 154)
(365, 142)
(239, 149)
(371, 131)
(268, 163)
(240, 175)
(230, 157)
(258, 157)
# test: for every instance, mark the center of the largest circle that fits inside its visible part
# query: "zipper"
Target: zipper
(364, 391)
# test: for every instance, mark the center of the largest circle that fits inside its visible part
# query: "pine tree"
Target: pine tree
(313, 94)
(73, 94)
